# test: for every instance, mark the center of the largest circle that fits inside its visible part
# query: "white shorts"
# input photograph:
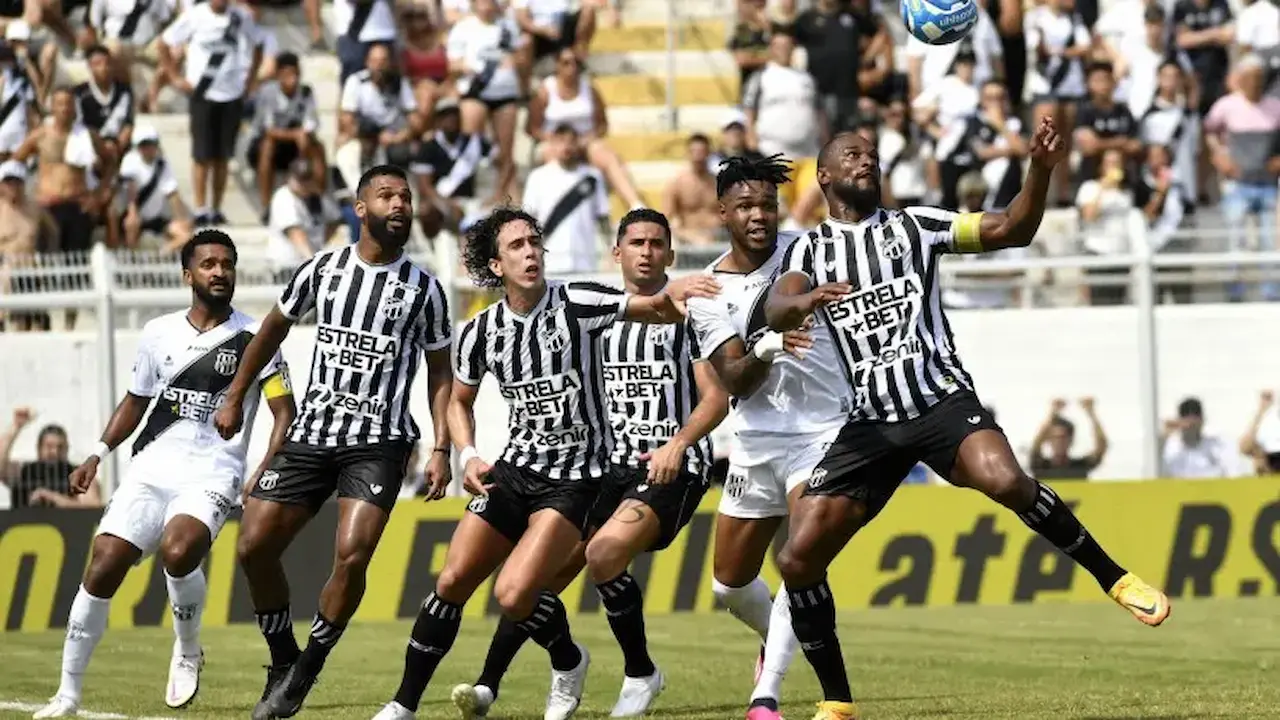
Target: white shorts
(764, 469)
(141, 507)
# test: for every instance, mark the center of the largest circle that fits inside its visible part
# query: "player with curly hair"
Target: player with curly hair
(540, 342)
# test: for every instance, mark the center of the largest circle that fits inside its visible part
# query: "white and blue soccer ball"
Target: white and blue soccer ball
(939, 22)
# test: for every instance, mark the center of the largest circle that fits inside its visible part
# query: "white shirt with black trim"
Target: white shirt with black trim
(134, 169)
(146, 17)
(212, 44)
(288, 211)
(379, 24)
(893, 337)
(108, 113)
(549, 369)
(486, 49)
(800, 396)
(573, 244)
(390, 110)
(374, 322)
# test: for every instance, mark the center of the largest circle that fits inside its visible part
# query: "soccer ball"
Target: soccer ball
(939, 22)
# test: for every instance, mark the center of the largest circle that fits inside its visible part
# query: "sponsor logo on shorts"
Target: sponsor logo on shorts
(375, 489)
(735, 485)
(818, 478)
(642, 487)
(974, 420)
(268, 480)
(478, 504)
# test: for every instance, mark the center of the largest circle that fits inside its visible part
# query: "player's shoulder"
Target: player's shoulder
(244, 321)
(165, 324)
(928, 217)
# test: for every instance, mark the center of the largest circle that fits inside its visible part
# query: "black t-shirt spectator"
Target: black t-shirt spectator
(52, 475)
(1112, 122)
(750, 38)
(452, 166)
(833, 44)
(1077, 468)
(1210, 61)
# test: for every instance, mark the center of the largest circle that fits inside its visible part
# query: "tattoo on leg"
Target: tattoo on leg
(630, 514)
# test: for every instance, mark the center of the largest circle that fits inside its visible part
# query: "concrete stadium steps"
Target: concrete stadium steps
(690, 35)
(632, 90)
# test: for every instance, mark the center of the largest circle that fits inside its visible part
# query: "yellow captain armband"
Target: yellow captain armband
(278, 385)
(965, 231)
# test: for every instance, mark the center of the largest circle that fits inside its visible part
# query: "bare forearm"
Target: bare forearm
(1018, 224)
(742, 376)
(128, 414)
(462, 423)
(784, 312)
(706, 417)
(264, 346)
(440, 389)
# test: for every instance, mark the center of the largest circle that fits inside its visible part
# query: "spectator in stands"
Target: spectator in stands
(285, 124)
(25, 229)
(929, 64)
(105, 105)
(1120, 24)
(216, 84)
(152, 202)
(1059, 39)
(1104, 124)
(1059, 434)
(555, 25)
(943, 110)
(47, 480)
(784, 114)
(1258, 26)
(1159, 194)
(569, 97)
(1105, 204)
(995, 135)
(1241, 130)
(749, 42)
(379, 113)
(1172, 121)
(1138, 63)
(38, 61)
(690, 200)
(830, 36)
(446, 169)
(66, 153)
(1261, 442)
(998, 289)
(571, 201)
(482, 48)
(127, 28)
(19, 109)
(302, 220)
(1187, 452)
(1204, 31)
(422, 56)
(359, 25)
(733, 141)
(902, 157)
(878, 79)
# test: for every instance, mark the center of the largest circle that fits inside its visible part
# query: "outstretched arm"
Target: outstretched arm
(128, 414)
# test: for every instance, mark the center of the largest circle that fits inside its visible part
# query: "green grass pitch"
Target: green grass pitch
(1213, 659)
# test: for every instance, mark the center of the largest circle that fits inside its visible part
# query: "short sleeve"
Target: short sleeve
(283, 213)
(695, 346)
(408, 102)
(469, 367)
(799, 258)
(712, 327)
(299, 295)
(946, 230)
(310, 113)
(1088, 192)
(179, 33)
(351, 94)
(595, 306)
(144, 367)
(168, 183)
(751, 93)
(456, 44)
(437, 330)
(131, 167)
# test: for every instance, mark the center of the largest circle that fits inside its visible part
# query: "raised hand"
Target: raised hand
(1048, 148)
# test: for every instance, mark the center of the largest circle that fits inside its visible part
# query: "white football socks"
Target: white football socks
(85, 624)
(186, 595)
(750, 603)
(779, 648)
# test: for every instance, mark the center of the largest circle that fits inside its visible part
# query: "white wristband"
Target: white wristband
(101, 450)
(769, 347)
(467, 453)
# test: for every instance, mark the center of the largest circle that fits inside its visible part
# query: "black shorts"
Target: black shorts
(214, 128)
(674, 503)
(284, 152)
(543, 47)
(868, 460)
(75, 226)
(518, 493)
(303, 474)
(155, 226)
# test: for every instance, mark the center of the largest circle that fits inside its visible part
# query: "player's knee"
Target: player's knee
(352, 561)
(607, 557)
(796, 569)
(107, 568)
(180, 559)
(451, 586)
(1008, 485)
(517, 602)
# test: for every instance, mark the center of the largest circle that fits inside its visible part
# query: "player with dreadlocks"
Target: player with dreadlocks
(789, 402)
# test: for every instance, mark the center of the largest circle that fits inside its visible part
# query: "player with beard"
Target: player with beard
(789, 402)
(870, 275)
(664, 401)
(377, 314)
(183, 479)
(541, 342)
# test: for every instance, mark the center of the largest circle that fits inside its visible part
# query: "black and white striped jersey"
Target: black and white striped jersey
(549, 369)
(894, 339)
(648, 376)
(373, 322)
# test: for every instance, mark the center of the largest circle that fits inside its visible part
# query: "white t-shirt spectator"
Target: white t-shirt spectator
(576, 198)
(288, 211)
(937, 59)
(136, 22)
(1108, 233)
(954, 100)
(786, 103)
(155, 183)
(1268, 437)
(545, 13)
(16, 90)
(219, 44)
(905, 174)
(486, 49)
(1209, 458)
(1138, 87)
(1057, 32)
(388, 110)
(1258, 26)
(379, 24)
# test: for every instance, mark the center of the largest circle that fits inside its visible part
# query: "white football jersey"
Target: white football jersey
(188, 372)
(800, 396)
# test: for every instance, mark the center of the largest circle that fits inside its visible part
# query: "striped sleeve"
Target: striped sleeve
(299, 295)
(437, 329)
(950, 231)
(469, 367)
(695, 346)
(595, 306)
(799, 258)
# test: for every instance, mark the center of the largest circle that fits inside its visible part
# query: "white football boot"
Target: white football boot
(58, 706)
(184, 679)
(638, 693)
(394, 711)
(566, 689)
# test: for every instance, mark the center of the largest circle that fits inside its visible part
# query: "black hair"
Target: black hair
(97, 49)
(1154, 14)
(480, 243)
(787, 29)
(644, 215)
(774, 170)
(48, 430)
(1066, 425)
(1191, 407)
(698, 138)
(378, 171)
(208, 236)
(1170, 61)
(287, 60)
(564, 128)
(1099, 66)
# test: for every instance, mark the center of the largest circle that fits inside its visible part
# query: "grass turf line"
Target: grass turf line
(1213, 659)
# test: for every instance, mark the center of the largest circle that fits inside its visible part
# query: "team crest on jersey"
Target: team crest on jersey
(893, 245)
(554, 338)
(661, 334)
(393, 308)
(226, 362)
